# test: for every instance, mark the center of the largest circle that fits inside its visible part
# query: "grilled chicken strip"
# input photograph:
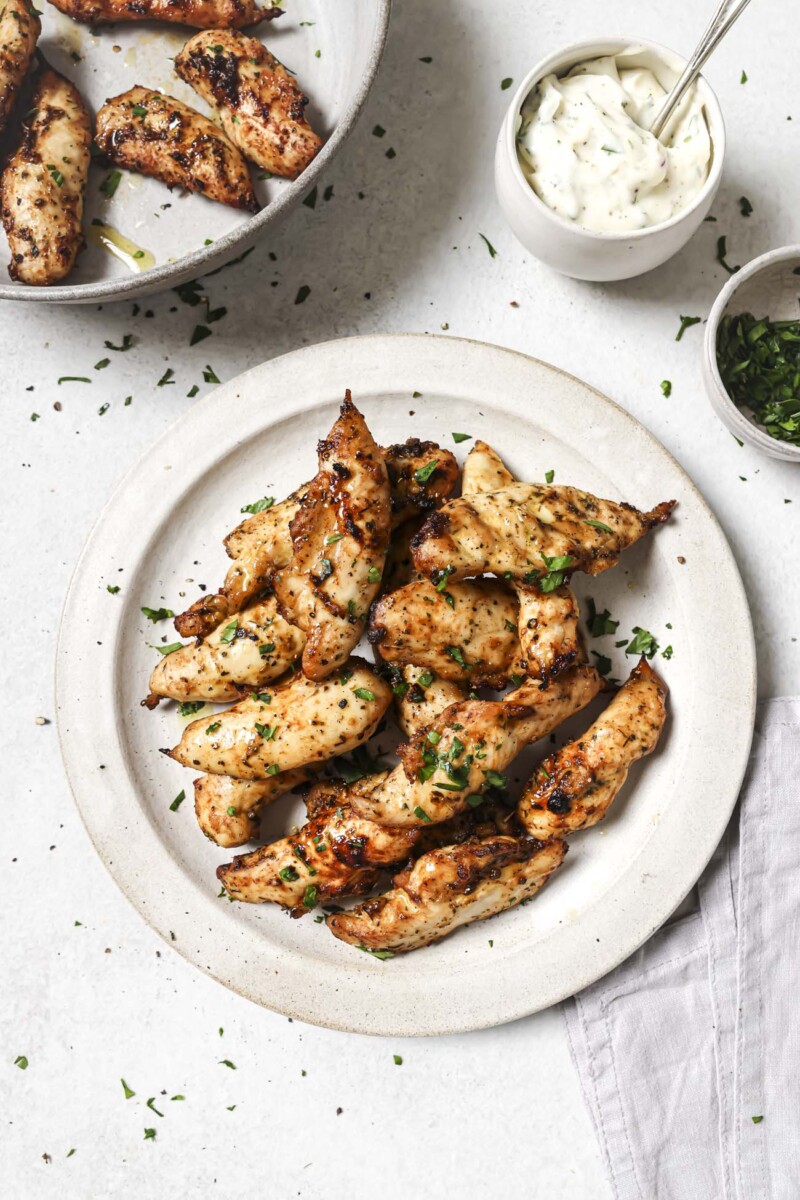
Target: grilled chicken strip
(340, 535)
(229, 810)
(575, 786)
(262, 544)
(254, 648)
(336, 853)
(44, 182)
(534, 532)
(450, 768)
(292, 725)
(420, 697)
(550, 639)
(143, 130)
(260, 106)
(201, 14)
(20, 28)
(466, 633)
(449, 887)
(484, 471)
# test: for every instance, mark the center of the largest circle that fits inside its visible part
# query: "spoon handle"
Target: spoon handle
(721, 22)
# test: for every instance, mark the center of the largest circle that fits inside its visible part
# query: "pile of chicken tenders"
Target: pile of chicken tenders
(454, 595)
(48, 131)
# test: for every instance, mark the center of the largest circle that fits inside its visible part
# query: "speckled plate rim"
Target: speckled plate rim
(237, 240)
(362, 995)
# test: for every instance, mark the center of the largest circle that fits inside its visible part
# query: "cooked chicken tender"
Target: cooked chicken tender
(550, 638)
(452, 766)
(260, 106)
(420, 697)
(336, 853)
(449, 887)
(262, 543)
(254, 648)
(229, 810)
(574, 787)
(533, 532)
(145, 131)
(20, 28)
(484, 471)
(292, 725)
(44, 183)
(466, 632)
(340, 535)
(202, 14)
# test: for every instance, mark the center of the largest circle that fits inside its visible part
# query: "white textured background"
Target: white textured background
(487, 1114)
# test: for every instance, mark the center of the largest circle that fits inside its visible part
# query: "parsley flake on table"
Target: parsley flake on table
(21, 1061)
(178, 801)
(129, 1092)
(743, 78)
(209, 375)
(110, 184)
(745, 207)
(398, 1060)
(113, 588)
(303, 293)
(166, 378)
(642, 642)
(199, 334)
(310, 201)
(722, 251)
(157, 614)
(686, 323)
(226, 1062)
(187, 708)
(666, 387)
(599, 623)
(549, 476)
(461, 437)
(151, 1104)
(506, 83)
(489, 246)
(149, 1135)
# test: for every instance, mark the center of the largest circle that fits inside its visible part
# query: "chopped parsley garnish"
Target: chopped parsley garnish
(599, 623)
(138, 110)
(444, 575)
(489, 246)
(214, 726)
(273, 769)
(166, 378)
(421, 814)
(199, 334)
(110, 184)
(745, 207)
(310, 200)
(642, 642)
(553, 577)
(667, 653)
(21, 1061)
(170, 649)
(425, 679)
(603, 662)
(151, 1104)
(374, 575)
(759, 364)
(157, 614)
(149, 1135)
(129, 1092)
(475, 801)
(457, 655)
(178, 801)
(310, 897)
(686, 323)
(506, 83)
(333, 537)
(363, 693)
(743, 78)
(461, 437)
(423, 474)
(303, 293)
(113, 588)
(267, 732)
(666, 387)
(398, 1060)
(229, 632)
(324, 570)
(722, 250)
(381, 954)
(73, 379)
(127, 342)
(265, 649)
(599, 525)
(258, 505)
(549, 476)
(187, 707)
(757, 1120)
(495, 779)
(209, 374)
(58, 178)
(226, 1062)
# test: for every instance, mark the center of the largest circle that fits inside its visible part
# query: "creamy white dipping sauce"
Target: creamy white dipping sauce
(584, 145)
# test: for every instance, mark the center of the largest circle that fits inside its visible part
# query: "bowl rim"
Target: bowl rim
(721, 401)
(547, 65)
(243, 236)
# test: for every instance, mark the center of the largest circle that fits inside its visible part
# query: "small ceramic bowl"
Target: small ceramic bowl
(566, 246)
(769, 286)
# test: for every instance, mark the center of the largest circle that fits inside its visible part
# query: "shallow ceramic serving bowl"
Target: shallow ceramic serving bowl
(188, 234)
(566, 246)
(769, 286)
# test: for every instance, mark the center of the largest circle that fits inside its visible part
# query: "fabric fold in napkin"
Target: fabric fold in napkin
(689, 1053)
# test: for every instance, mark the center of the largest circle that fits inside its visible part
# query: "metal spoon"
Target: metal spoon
(721, 22)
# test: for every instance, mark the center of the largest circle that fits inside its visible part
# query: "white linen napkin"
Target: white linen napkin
(689, 1053)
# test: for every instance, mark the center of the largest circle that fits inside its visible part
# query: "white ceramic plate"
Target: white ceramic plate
(256, 435)
(187, 234)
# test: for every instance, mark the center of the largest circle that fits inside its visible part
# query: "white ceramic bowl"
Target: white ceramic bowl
(767, 287)
(568, 247)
